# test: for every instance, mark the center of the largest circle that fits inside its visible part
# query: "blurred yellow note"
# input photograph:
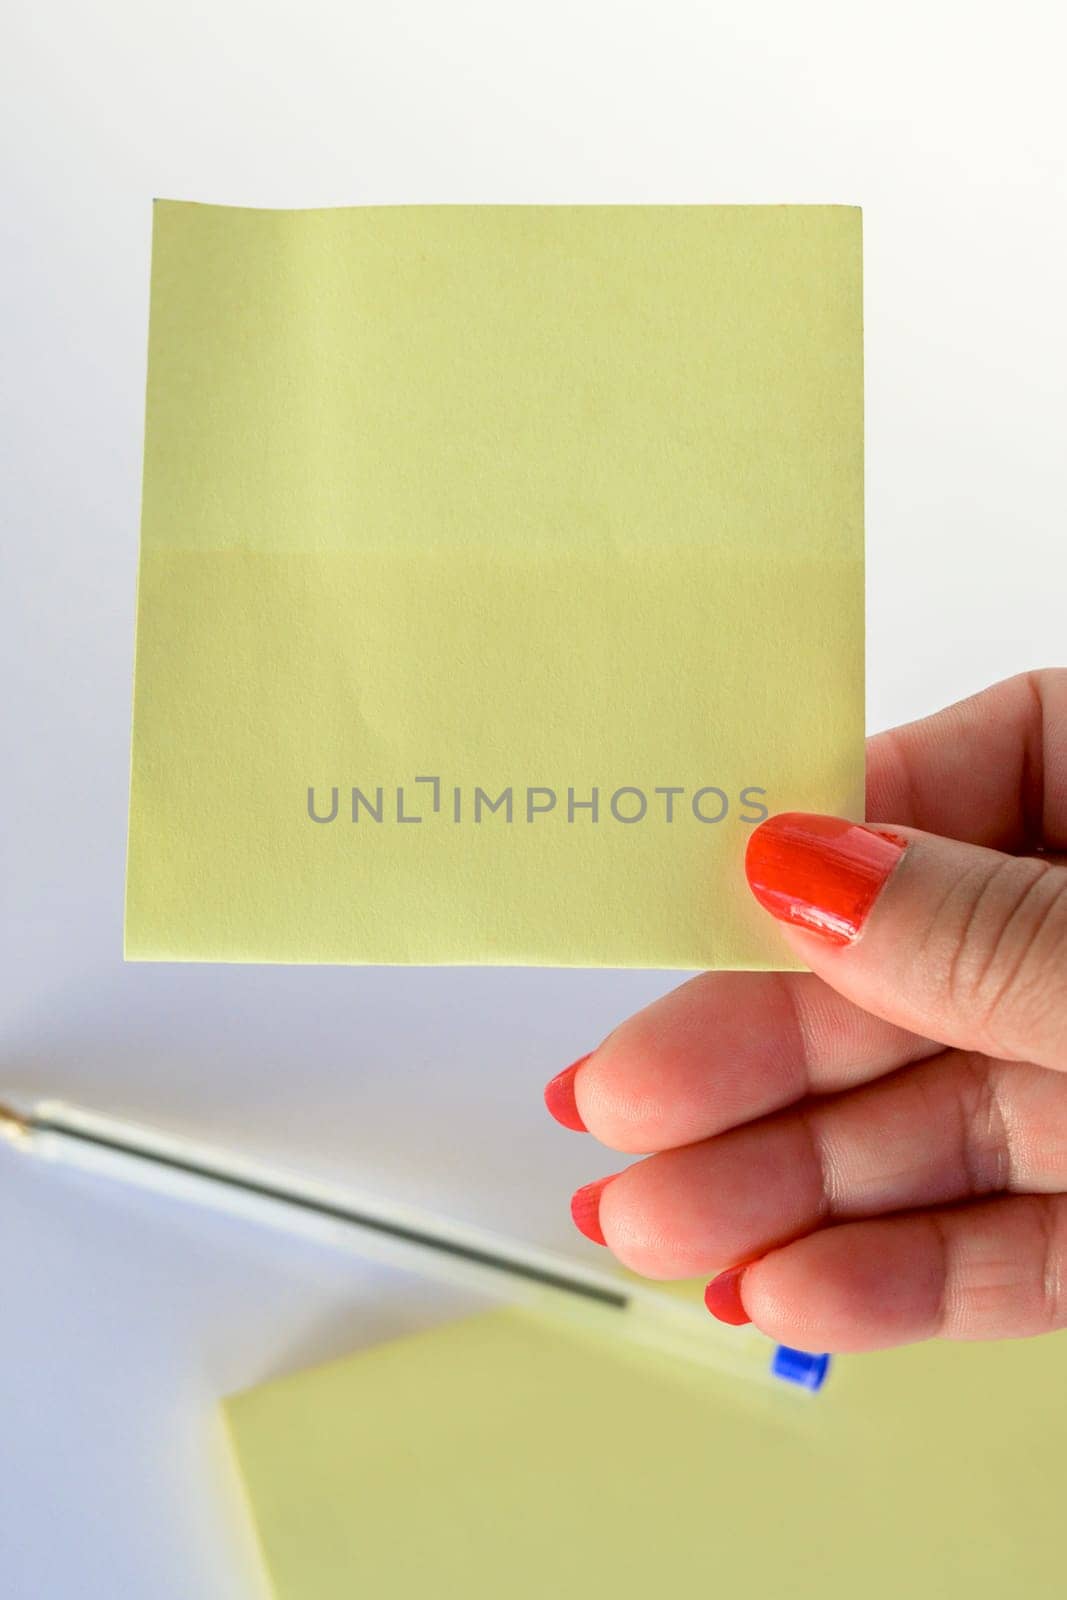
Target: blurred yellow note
(503, 1457)
(501, 566)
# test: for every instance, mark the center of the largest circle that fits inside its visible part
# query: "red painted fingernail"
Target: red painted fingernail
(723, 1298)
(821, 873)
(585, 1208)
(559, 1097)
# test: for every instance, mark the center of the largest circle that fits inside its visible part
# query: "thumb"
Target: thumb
(955, 942)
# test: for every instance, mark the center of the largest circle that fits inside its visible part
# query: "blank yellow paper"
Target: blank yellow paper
(503, 1459)
(459, 521)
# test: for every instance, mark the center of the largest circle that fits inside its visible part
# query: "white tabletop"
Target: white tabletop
(125, 1317)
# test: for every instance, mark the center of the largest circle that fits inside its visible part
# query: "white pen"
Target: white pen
(403, 1236)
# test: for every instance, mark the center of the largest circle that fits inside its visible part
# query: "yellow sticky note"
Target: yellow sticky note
(504, 1457)
(500, 567)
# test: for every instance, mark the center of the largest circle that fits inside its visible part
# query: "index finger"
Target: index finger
(722, 1049)
(989, 770)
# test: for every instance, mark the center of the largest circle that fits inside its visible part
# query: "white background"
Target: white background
(123, 1318)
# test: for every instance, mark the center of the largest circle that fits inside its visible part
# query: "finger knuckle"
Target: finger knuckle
(986, 1154)
(1002, 1271)
(1011, 958)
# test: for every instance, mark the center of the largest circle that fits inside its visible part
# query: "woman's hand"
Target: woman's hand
(874, 1152)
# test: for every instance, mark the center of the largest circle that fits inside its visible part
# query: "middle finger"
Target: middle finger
(948, 1129)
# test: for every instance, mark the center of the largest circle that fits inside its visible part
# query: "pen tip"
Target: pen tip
(13, 1124)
